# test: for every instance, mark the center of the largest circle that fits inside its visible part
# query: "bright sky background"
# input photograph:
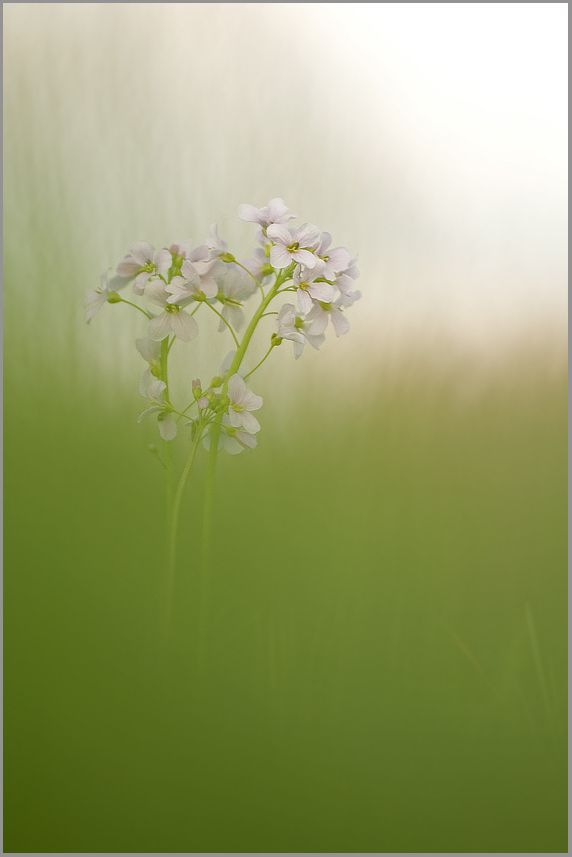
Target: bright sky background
(431, 139)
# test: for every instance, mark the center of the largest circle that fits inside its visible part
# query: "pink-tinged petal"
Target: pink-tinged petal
(279, 256)
(250, 423)
(163, 260)
(340, 322)
(128, 267)
(142, 252)
(277, 208)
(148, 412)
(234, 418)
(160, 327)
(200, 254)
(184, 326)
(323, 243)
(306, 235)
(338, 259)
(168, 429)
(91, 296)
(322, 292)
(140, 282)
(236, 389)
(305, 258)
(187, 270)
(248, 212)
(209, 287)
(279, 233)
(344, 283)
(157, 294)
(304, 301)
(319, 325)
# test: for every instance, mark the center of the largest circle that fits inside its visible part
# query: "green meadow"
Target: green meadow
(384, 665)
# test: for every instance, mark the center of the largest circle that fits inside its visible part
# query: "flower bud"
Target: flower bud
(267, 248)
(266, 270)
(197, 391)
(217, 381)
(113, 298)
(275, 339)
(227, 257)
(203, 403)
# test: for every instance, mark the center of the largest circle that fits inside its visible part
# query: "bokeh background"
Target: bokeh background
(385, 667)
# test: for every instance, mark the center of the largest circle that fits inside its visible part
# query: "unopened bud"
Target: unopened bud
(275, 339)
(217, 381)
(113, 298)
(203, 402)
(266, 269)
(227, 257)
(267, 248)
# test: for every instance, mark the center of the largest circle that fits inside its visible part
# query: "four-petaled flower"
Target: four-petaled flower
(95, 298)
(143, 263)
(294, 326)
(291, 245)
(308, 289)
(242, 401)
(274, 212)
(173, 319)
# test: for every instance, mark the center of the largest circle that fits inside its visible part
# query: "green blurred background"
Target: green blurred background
(385, 661)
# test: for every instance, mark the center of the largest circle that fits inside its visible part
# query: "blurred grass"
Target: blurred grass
(386, 666)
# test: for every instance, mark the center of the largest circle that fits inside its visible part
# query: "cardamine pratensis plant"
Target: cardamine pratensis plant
(174, 284)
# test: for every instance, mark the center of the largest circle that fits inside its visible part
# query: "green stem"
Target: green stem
(261, 362)
(173, 527)
(123, 301)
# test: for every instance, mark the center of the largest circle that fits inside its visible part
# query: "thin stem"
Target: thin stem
(174, 523)
(259, 364)
(123, 301)
(225, 321)
(207, 542)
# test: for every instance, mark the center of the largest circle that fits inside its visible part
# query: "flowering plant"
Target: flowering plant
(174, 283)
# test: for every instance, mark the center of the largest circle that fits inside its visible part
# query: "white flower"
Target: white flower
(292, 245)
(336, 260)
(214, 243)
(202, 270)
(235, 288)
(231, 438)
(321, 313)
(172, 319)
(150, 350)
(274, 212)
(143, 263)
(294, 326)
(308, 289)
(167, 426)
(258, 265)
(95, 298)
(345, 278)
(183, 249)
(242, 401)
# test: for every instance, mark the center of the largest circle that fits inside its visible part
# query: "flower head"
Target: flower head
(143, 263)
(173, 319)
(242, 401)
(95, 298)
(294, 326)
(291, 245)
(274, 212)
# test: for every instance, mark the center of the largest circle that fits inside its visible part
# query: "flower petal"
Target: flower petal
(142, 252)
(160, 327)
(184, 326)
(168, 428)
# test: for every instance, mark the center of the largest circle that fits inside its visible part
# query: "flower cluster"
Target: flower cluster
(175, 282)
